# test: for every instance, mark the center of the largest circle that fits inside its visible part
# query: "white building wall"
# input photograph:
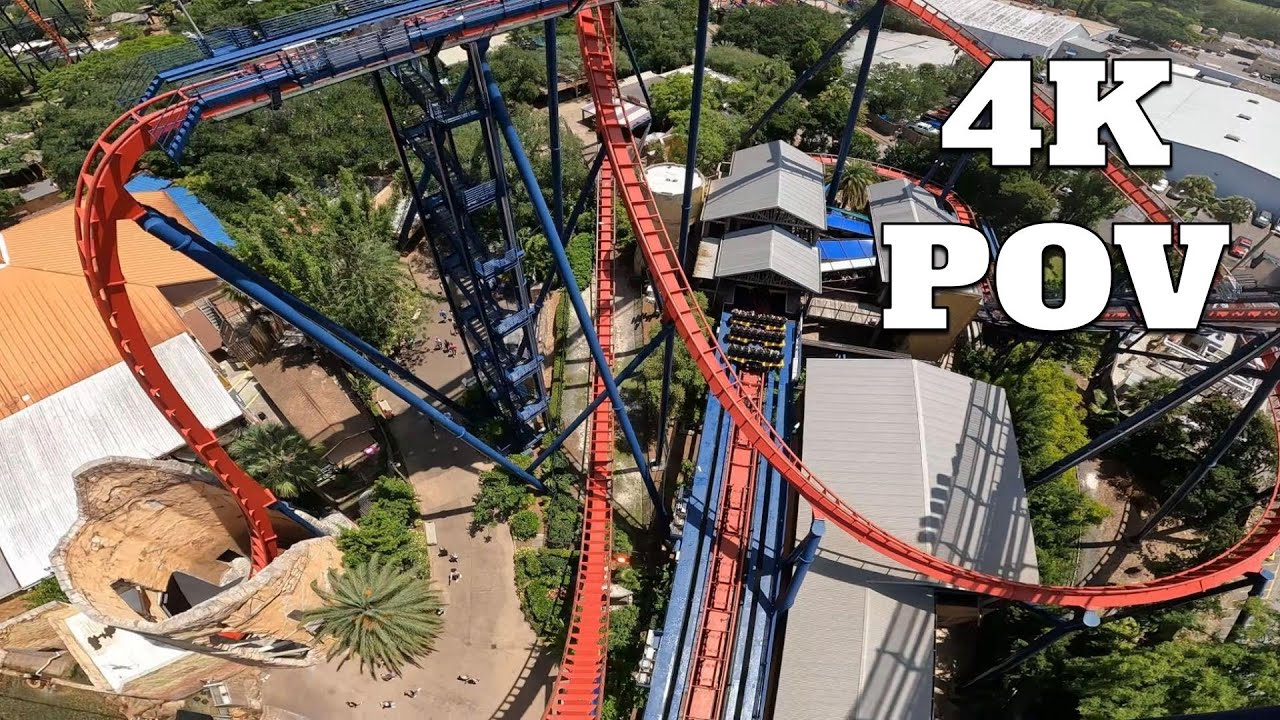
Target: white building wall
(1231, 177)
(1013, 47)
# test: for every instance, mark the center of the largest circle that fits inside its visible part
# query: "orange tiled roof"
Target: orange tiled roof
(51, 335)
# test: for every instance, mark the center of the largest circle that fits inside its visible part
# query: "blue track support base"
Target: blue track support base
(801, 558)
(215, 259)
(554, 241)
(290, 512)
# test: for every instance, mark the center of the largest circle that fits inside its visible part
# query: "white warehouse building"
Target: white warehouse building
(1225, 134)
(1016, 32)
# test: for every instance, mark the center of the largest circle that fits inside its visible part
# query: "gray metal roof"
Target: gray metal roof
(106, 414)
(771, 176)
(930, 457)
(769, 247)
(900, 201)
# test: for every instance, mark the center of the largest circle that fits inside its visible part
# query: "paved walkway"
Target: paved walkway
(485, 635)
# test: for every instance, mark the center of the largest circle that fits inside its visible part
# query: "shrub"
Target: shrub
(46, 591)
(525, 525)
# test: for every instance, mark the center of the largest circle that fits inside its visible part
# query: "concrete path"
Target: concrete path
(485, 635)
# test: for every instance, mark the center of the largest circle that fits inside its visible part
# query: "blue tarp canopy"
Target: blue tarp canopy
(846, 254)
(206, 223)
(845, 224)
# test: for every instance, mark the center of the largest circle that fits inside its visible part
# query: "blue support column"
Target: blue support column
(516, 147)
(627, 371)
(801, 558)
(215, 259)
(686, 205)
(553, 124)
(859, 93)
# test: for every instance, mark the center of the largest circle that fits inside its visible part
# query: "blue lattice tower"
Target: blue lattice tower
(470, 233)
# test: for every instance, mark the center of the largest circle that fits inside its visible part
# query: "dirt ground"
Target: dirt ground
(1104, 556)
(485, 635)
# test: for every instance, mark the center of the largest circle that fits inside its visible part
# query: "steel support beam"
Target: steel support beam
(1214, 456)
(584, 196)
(622, 377)
(516, 148)
(1081, 620)
(553, 123)
(1257, 586)
(859, 94)
(1188, 389)
(631, 55)
(825, 59)
(210, 256)
(800, 560)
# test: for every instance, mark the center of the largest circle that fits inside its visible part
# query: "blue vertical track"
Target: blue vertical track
(483, 279)
(876, 19)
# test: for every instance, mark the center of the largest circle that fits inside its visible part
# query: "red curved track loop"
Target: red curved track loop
(713, 651)
(100, 202)
(669, 279)
(579, 688)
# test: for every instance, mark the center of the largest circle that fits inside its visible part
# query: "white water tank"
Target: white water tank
(666, 182)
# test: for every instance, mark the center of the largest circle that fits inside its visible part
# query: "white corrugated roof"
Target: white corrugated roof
(1008, 20)
(105, 414)
(773, 175)
(1202, 115)
(771, 248)
(930, 457)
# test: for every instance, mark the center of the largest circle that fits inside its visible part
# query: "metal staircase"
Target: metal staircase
(481, 269)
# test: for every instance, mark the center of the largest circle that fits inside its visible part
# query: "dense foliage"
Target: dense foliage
(378, 613)
(46, 591)
(389, 530)
(525, 525)
(336, 253)
(278, 457)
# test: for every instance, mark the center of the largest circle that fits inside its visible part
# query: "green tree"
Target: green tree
(1091, 199)
(525, 525)
(1234, 209)
(12, 86)
(857, 178)
(46, 591)
(389, 529)
(521, 73)
(278, 457)
(500, 496)
(904, 93)
(661, 33)
(795, 33)
(1198, 193)
(384, 617)
(335, 253)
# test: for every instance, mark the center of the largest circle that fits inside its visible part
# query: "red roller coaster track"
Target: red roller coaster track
(713, 650)
(694, 329)
(579, 687)
(47, 28)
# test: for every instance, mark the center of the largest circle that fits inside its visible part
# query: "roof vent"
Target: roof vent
(1253, 101)
(1232, 138)
(1242, 116)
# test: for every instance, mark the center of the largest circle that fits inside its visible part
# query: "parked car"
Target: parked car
(1160, 185)
(1262, 219)
(1240, 247)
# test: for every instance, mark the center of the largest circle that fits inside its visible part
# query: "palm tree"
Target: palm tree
(383, 616)
(857, 178)
(278, 457)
